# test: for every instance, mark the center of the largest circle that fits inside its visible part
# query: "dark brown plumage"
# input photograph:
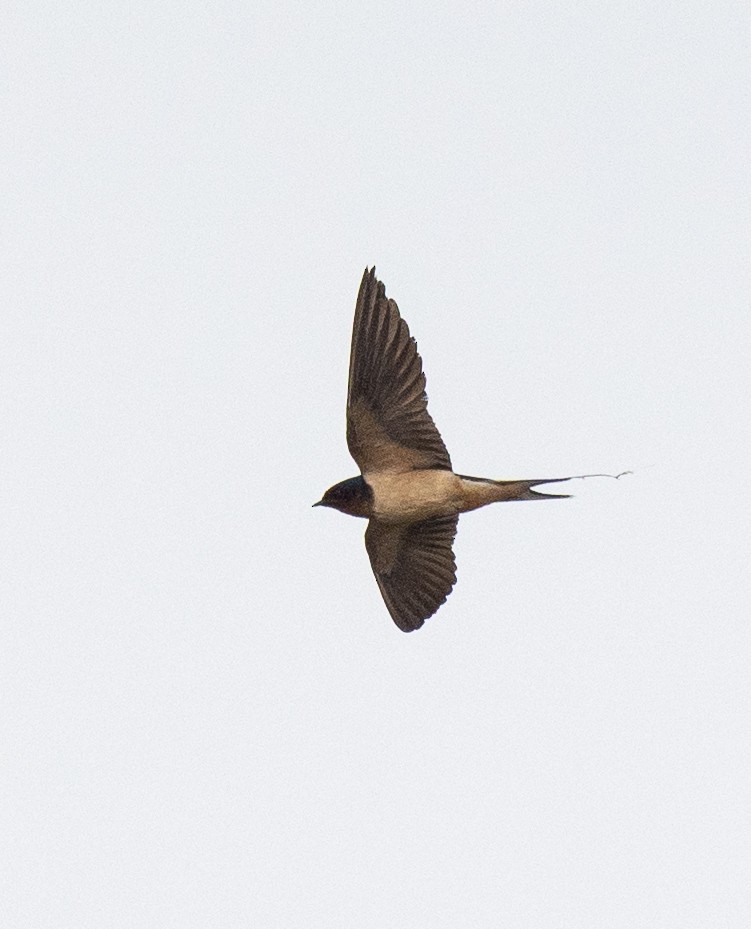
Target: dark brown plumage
(387, 409)
(414, 566)
(407, 488)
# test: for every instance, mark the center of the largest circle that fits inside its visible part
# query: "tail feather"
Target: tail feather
(522, 490)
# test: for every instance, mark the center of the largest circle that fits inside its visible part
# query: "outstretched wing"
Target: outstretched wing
(414, 565)
(388, 424)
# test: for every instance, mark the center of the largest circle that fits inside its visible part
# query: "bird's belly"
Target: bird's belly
(413, 496)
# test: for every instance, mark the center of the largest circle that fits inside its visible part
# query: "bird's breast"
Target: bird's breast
(413, 496)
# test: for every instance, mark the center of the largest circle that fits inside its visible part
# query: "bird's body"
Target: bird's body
(412, 496)
(407, 488)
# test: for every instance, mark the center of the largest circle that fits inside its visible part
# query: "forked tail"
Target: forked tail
(522, 490)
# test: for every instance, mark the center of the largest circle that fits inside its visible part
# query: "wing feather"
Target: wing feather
(388, 424)
(414, 566)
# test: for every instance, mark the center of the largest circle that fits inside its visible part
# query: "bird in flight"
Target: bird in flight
(406, 489)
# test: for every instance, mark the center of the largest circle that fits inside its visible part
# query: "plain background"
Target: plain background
(207, 717)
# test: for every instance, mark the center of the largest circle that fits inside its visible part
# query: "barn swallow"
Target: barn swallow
(406, 489)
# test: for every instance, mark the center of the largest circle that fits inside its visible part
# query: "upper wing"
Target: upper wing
(414, 566)
(388, 424)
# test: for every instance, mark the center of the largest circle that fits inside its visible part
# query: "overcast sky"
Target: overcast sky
(207, 715)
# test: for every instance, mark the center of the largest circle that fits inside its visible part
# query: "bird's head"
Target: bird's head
(352, 496)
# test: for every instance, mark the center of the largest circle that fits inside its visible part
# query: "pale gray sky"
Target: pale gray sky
(208, 717)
